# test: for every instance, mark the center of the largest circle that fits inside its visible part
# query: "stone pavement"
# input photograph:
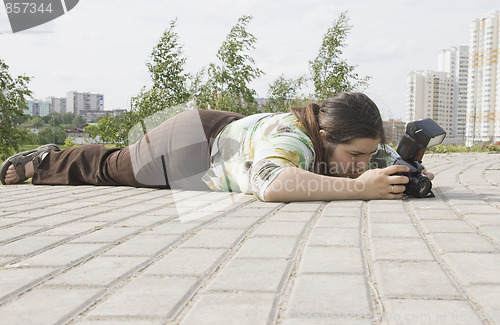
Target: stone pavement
(118, 255)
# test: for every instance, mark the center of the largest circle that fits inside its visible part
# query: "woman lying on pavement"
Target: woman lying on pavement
(312, 153)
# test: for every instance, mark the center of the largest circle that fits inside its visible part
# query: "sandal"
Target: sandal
(19, 160)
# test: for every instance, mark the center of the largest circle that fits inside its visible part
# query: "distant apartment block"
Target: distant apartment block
(483, 96)
(430, 95)
(88, 105)
(394, 130)
(455, 62)
(58, 104)
(38, 107)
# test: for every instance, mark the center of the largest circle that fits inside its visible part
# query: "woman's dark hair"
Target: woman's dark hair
(344, 117)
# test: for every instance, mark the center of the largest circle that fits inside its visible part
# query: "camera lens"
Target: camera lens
(419, 186)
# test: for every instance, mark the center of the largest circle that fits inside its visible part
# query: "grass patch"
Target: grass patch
(492, 148)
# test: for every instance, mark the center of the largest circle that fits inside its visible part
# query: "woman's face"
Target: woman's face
(351, 159)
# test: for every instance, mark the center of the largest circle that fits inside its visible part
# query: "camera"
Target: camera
(419, 136)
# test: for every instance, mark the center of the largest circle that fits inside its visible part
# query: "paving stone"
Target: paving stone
(338, 222)
(143, 245)
(250, 275)
(267, 247)
(146, 296)
(393, 230)
(475, 268)
(493, 232)
(389, 217)
(231, 308)
(437, 215)
(106, 235)
(463, 242)
(14, 278)
(187, 261)
(233, 223)
(482, 208)
(334, 236)
(44, 305)
(414, 279)
(328, 294)
(333, 211)
(483, 219)
(447, 226)
(99, 271)
(29, 245)
(62, 255)
(284, 228)
(292, 216)
(401, 249)
(214, 238)
(331, 260)
(489, 297)
(414, 311)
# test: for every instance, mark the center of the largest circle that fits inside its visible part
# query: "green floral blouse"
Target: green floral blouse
(249, 153)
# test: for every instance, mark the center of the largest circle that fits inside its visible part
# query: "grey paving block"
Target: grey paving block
(146, 296)
(99, 271)
(251, 274)
(29, 245)
(401, 249)
(281, 228)
(463, 242)
(447, 226)
(143, 245)
(473, 268)
(62, 255)
(334, 237)
(331, 259)
(44, 305)
(214, 238)
(328, 294)
(393, 230)
(489, 297)
(424, 279)
(262, 247)
(338, 222)
(483, 219)
(187, 261)
(230, 308)
(415, 311)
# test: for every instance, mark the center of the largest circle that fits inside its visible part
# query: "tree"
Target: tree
(282, 93)
(227, 85)
(77, 121)
(331, 73)
(52, 134)
(169, 89)
(167, 73)
(13, 94)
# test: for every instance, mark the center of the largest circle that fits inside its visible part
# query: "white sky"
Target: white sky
(102, 46)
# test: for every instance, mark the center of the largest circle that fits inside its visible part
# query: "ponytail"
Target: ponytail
(308, 117)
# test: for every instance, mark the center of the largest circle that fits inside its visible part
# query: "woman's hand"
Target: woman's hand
(382, 184)
(428, 174)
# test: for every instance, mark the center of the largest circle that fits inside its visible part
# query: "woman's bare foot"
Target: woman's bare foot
(11, 175)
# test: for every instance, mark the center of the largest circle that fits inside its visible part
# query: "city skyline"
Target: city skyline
(106, 50)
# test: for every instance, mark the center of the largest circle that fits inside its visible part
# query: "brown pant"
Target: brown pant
(175, 154)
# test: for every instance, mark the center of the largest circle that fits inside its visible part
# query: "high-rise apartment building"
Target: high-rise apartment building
(38, 107)
(58, 104)
(430, 96)
(455, 61)
(483, 96)
(85, 104)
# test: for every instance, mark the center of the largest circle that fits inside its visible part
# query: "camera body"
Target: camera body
(419, 136)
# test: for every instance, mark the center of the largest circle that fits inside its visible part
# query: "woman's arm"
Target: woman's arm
(295, 184)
